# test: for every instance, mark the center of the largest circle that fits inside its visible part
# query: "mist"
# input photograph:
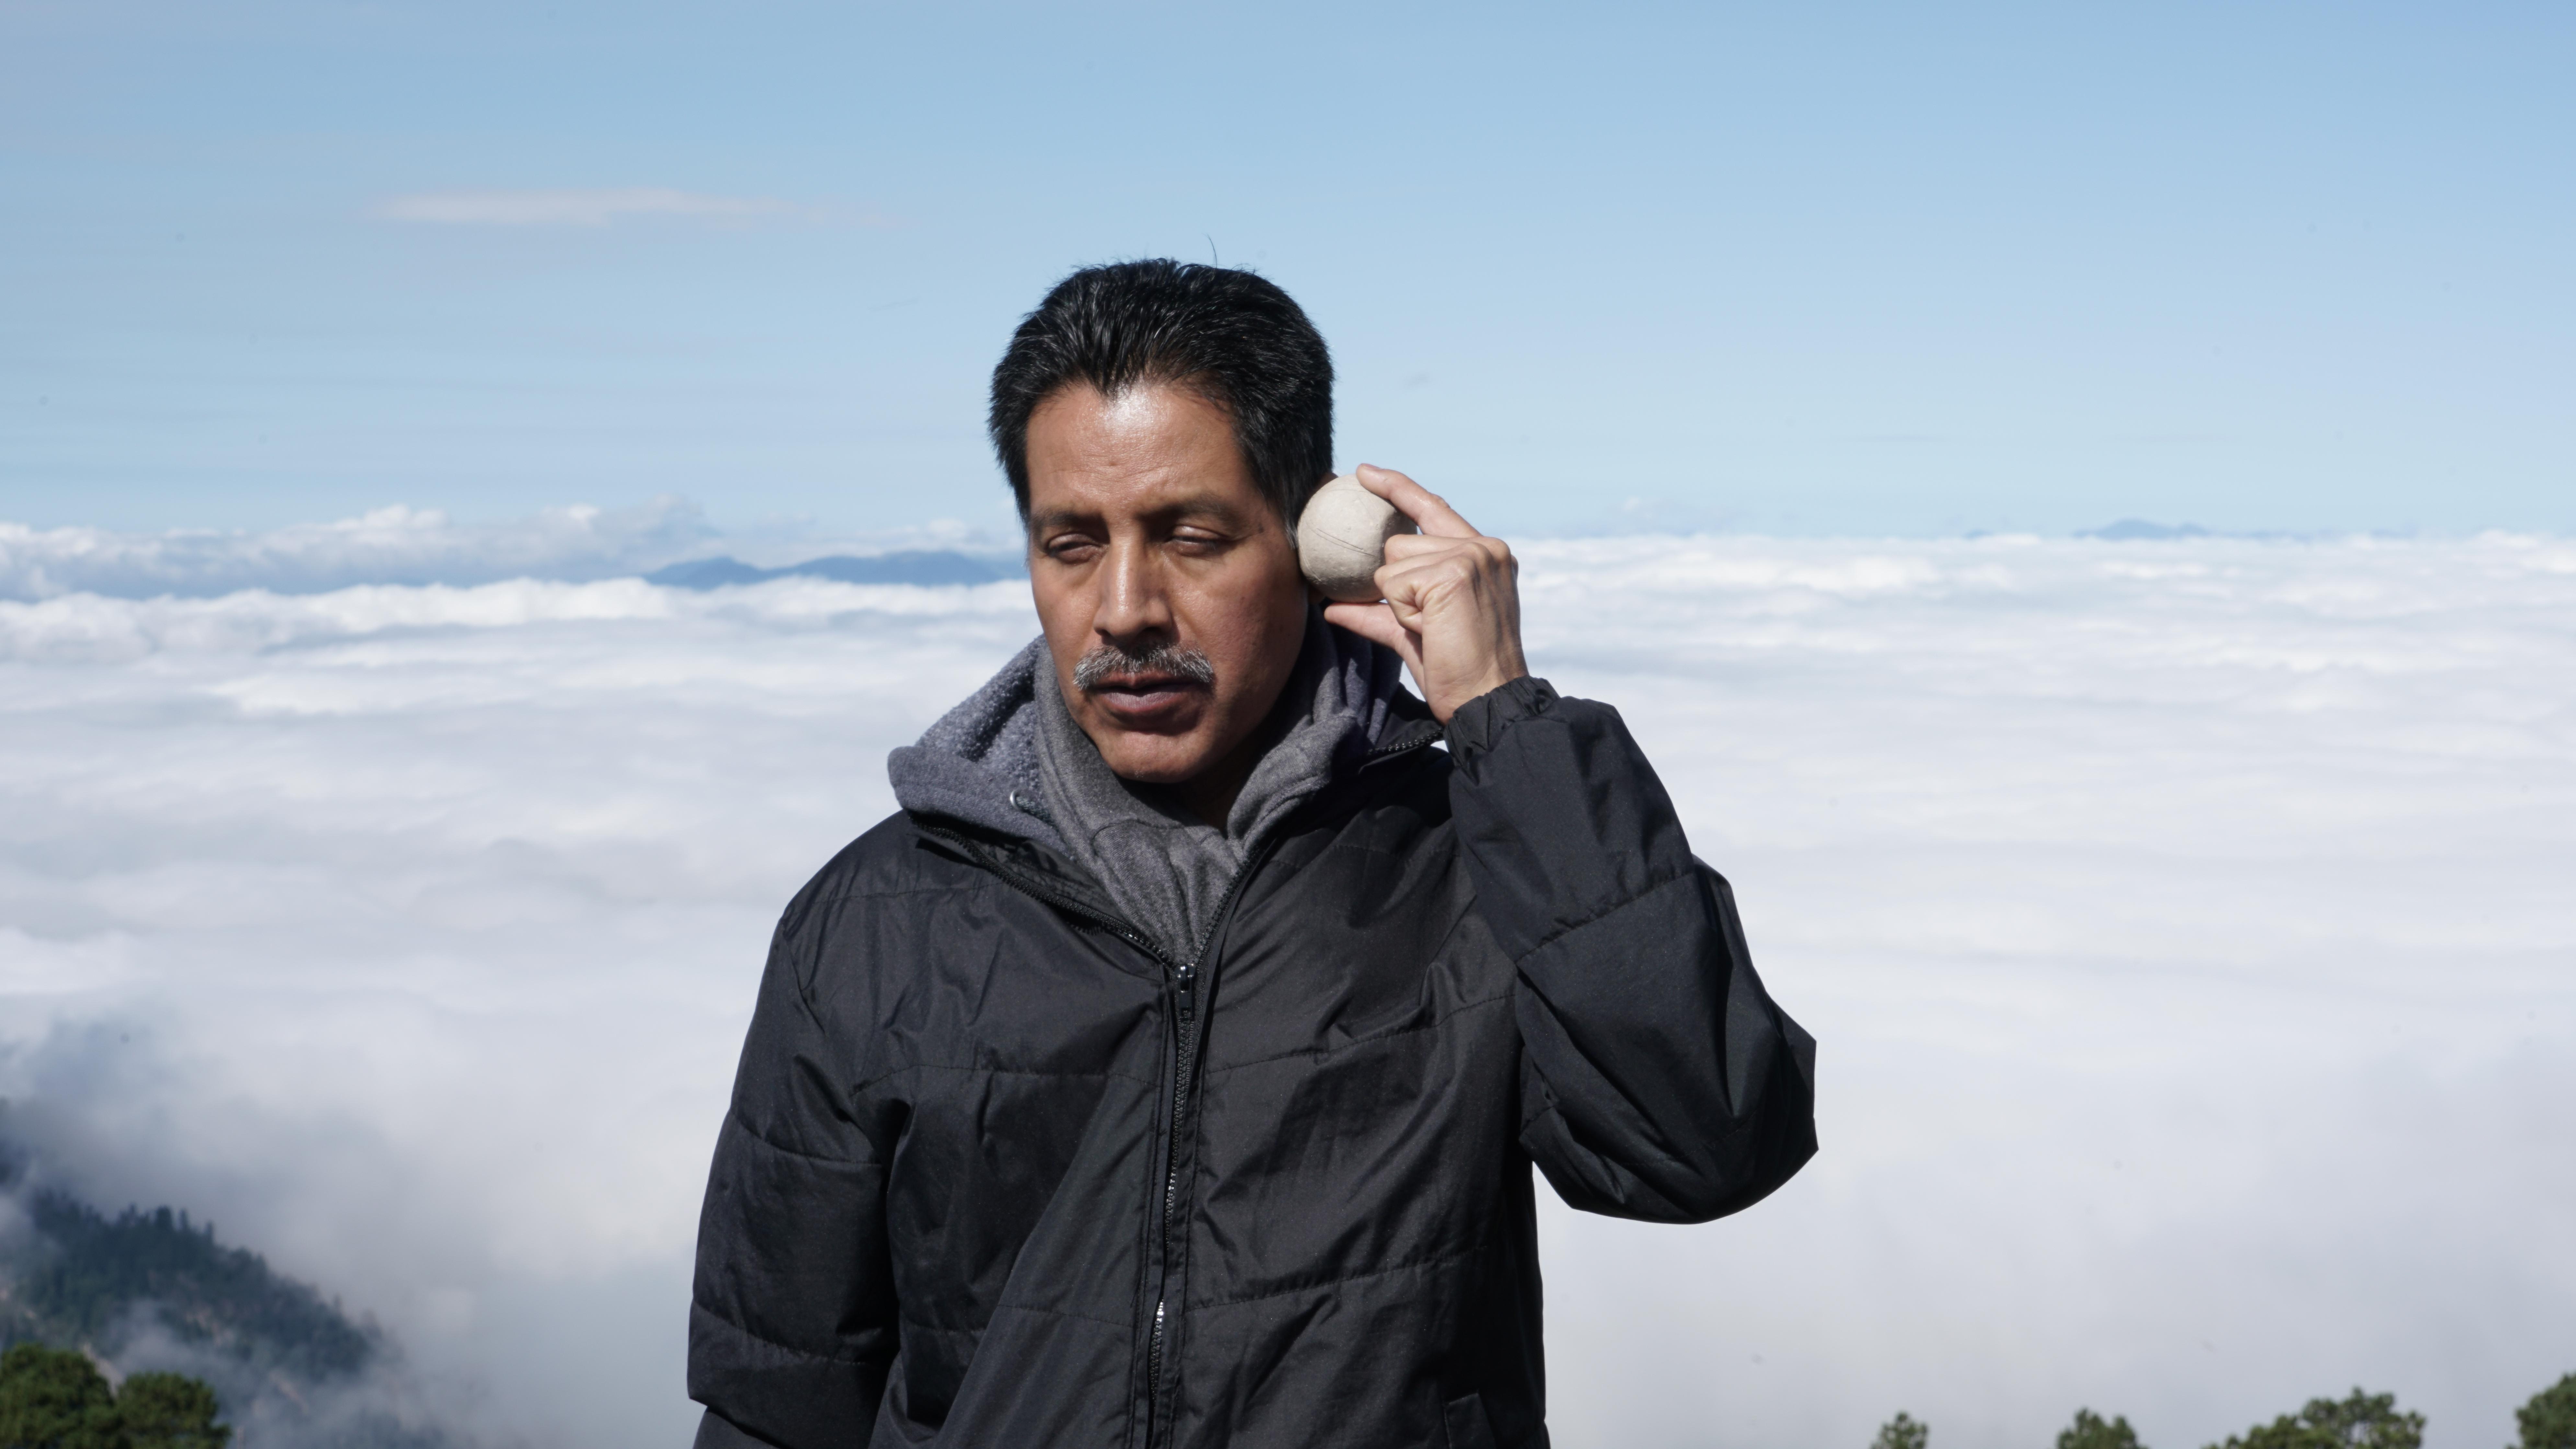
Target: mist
(2184, 925)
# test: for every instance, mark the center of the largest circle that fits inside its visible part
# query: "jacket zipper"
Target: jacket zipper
(1184, 1069)
(1400, 747)
(1185, 1056)
(1185, 1050)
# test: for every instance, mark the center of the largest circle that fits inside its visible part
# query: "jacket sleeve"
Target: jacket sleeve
(792, 1320)
(1658, 1080)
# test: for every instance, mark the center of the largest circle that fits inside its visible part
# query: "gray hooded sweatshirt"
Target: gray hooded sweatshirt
(1012, 759)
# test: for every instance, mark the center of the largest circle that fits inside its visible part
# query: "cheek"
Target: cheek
(1064, 611)
(1251, 634)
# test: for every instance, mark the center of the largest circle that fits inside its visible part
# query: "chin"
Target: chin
(1170, 761)
(1155, 746)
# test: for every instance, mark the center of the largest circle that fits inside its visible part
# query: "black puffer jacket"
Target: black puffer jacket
(997, 1174)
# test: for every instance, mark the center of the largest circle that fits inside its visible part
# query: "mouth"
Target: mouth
(1145, 693)
(1158, 689)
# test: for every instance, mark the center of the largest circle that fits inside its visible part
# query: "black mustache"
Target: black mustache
(1101, 661)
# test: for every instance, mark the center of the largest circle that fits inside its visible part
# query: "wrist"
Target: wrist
(1477, 723)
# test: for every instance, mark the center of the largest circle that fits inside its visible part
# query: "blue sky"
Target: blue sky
(1790, 269)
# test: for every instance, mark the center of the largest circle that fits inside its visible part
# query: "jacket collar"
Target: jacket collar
(980, 763)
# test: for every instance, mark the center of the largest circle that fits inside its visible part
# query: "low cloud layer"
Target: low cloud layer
(412, 547)
(2183, 923)
(395, 545)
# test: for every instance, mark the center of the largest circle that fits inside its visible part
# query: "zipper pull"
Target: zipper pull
(1187, 981)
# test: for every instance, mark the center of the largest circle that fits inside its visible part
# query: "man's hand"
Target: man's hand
(1453, 601)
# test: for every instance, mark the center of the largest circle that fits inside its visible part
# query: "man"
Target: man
(1169, 1071)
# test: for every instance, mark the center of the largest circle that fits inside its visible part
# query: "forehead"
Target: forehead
(1151, 448)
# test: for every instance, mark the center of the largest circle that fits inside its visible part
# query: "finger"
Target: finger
(1377, 624)
(1405, 547)
(1429, 511)
(1408, 597)
(1481, 568)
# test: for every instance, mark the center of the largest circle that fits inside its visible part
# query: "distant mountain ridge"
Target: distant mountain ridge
(2147, 530)
(2129, 530)
(920, 567)
(419, 548)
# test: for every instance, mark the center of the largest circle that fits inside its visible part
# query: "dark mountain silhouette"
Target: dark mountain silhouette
(911, 566)
(2129, 530)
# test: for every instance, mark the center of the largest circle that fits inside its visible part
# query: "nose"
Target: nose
(1132, 607)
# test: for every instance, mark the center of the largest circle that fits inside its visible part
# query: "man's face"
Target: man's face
(1166, 584)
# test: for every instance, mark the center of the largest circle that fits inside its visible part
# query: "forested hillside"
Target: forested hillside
(151, 1290)
(80, 1274)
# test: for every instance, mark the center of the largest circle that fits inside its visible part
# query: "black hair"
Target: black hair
(1231, 336)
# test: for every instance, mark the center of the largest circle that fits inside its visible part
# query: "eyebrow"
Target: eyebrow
(1210, 504)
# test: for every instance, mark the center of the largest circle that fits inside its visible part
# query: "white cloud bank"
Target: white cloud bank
(2185, 926)
(395, 545)
(413, 546)
(594, 207)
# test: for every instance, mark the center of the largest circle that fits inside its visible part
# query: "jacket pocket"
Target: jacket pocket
(1465, 1420)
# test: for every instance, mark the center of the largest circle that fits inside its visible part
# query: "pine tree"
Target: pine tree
(1901, 1432)
(2090, 1432)
(2363, 1421)
(2549, 1420)
(170, 1411)
(53, 1398)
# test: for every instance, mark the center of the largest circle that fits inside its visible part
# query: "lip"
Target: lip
(1147, 699)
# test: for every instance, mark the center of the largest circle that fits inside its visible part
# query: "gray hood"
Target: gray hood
(979, 763)
(1012, 760)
